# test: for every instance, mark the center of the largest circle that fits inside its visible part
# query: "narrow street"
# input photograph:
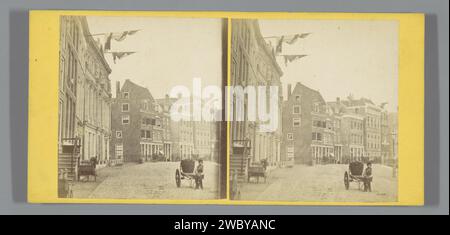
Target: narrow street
(150, 180)
(320, 183)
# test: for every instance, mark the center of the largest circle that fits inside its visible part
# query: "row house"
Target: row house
(340, 131)
(353, 132)
(349, 138)
(307, 128)
(137, 124)
(202, 138)
(190, 139)
(372, 116)
(368, 130)
(85, 90)
(392, 138)
(385, 137)
(163, 105)
(181, 133)
(253, 63)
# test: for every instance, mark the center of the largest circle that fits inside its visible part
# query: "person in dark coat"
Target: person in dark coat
(368, 178)
(199, 175)
(94, 161)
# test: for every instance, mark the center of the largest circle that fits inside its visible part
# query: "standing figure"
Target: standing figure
(199, 175)
(368, 178)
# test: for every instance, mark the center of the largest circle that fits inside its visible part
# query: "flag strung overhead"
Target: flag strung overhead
(117, 36)
(279, 47)
(292, 39)
(123, 35)
(120, 55)
(289, 39)
(291, 58)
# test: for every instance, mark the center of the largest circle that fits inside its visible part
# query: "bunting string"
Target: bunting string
(117, 55)
(291, 58)
(289, 39)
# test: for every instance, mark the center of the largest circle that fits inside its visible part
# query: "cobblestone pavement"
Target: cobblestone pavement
(150, 180)
(320, 183)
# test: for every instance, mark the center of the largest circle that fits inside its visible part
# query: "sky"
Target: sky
(343, 57)
(170, 51)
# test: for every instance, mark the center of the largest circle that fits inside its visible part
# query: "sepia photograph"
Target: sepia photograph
(130, 91)
(225, 110)
(314, 108)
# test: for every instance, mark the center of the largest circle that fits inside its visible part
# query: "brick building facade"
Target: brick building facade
(137, 125)
(307, 127)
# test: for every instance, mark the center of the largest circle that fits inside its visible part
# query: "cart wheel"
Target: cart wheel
(346, 181)
(178, 178)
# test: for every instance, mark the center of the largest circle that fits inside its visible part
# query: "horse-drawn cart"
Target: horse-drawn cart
(185, 172)
(354, 174)
(257, 170)
(87, 168)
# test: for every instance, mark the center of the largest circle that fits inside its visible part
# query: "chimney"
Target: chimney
(117, 89)
(289, 90)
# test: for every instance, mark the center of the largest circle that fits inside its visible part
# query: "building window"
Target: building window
(119, 134)
(125, 119)
(318, 123)
(297, 98)
(316, 107)
(119, 151)
(146, 134)
(296, 109)
(296, 122)
(125, 107)
(316, 136)
(290, 136)
(126, 95)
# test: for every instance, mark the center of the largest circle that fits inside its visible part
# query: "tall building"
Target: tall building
(191, 139)
(368, 130)
(85, 90)
(253, 63)
(202, 136)
(393, 140)
(385, 137)
(164, 106)
(308, 129)
(137, 125)
(372, 115)
(353, 141)
(70, 34)
(337, 155)
(181, 133)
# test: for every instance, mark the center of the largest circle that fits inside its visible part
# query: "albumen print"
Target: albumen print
(325, 123)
